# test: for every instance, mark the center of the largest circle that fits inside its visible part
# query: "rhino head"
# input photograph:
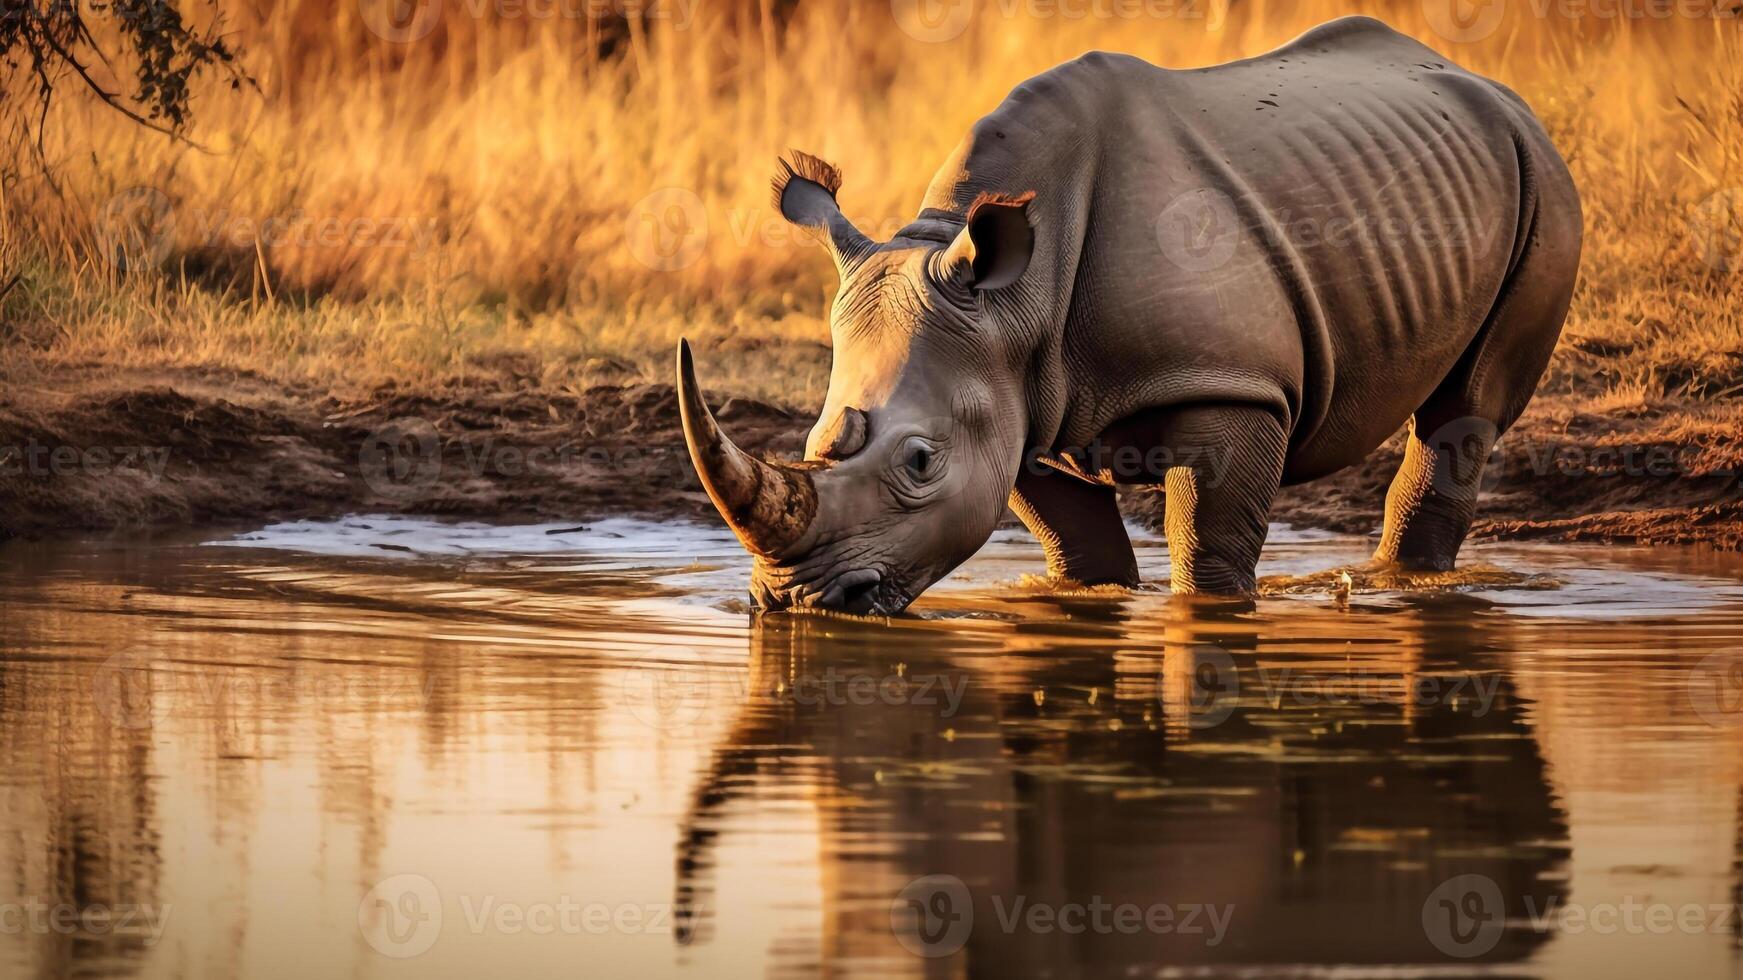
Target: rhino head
(908, 468)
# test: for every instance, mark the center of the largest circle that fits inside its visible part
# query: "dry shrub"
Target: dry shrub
(511, 180)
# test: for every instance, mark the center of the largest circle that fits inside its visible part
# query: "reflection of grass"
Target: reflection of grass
(508, 159)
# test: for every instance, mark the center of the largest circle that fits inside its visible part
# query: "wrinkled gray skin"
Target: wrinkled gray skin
(1228, 279)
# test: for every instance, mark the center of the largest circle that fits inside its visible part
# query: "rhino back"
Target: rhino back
(1384, 187)
(1321, 229)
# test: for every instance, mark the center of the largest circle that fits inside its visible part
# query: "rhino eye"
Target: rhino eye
(920, 459)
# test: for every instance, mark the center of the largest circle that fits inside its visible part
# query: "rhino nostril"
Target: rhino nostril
(859, 590)
(768, 598)
(853, 596)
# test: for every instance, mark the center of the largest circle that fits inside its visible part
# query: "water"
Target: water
(380, 748)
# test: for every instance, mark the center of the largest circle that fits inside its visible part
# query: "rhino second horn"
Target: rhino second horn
(769, 506)
(844, 436)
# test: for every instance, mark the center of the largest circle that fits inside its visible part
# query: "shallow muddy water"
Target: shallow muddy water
(382, 748)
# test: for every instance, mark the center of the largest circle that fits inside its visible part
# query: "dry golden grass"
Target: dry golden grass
(512, 164)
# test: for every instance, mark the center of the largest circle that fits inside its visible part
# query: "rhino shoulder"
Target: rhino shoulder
(1357, 35)
(1110, 61)
(1087, 92)
(1094, 88)
(1346, 30)
(1091, 74)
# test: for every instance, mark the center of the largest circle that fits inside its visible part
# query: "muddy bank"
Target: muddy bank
(96, 448)
(1666, 474)
(141, 449)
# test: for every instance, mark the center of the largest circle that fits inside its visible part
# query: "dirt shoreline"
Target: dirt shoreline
(92, 447)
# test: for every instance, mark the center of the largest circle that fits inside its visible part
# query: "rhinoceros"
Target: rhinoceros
(1214, 282)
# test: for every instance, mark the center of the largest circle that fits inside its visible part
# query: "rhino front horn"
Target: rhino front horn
(768, 505)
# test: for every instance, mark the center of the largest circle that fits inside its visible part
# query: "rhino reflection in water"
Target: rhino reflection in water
(1305, 843)
(1230, 278)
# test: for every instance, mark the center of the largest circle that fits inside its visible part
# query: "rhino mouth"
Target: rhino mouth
(858, 591)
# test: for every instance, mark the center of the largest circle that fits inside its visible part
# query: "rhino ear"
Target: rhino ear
(804, 192)
(994, 248)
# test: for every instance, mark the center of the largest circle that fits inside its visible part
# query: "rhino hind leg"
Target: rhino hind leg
(1433, 497)
(1078, 524)
(1218, 504)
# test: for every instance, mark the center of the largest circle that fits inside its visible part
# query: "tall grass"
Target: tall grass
(542, 183)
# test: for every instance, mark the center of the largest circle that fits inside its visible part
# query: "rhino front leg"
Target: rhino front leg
(1227, 462)
(1078, 524)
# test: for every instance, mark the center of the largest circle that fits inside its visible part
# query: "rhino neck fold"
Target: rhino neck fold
(1030, 317)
